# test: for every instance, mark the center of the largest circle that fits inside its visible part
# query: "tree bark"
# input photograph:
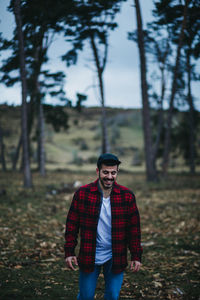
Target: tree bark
(160, 117)
(167, 141)
(151, 172)
(26, 162)
(39, 55)
(30, 111)
(41, 152)
(191, 118)
(100, 69)
(2, 148)
(16, 156)
(162, 59)
(160, 120)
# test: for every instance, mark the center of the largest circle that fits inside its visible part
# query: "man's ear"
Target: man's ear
(97, 171)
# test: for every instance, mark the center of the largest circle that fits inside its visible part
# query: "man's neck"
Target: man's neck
(106, 193)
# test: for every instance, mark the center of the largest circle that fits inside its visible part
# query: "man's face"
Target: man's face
(107, 176)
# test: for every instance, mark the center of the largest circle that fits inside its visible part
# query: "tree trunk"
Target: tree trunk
(150, 166)
(100, 69)
(31, 115)
(39, 52)
(30, 124)
(191, 118)
(16, 156)
(41, 150)
(167, 140)
(160, 118)
(26, 162)
(105, 144)
(2, 148)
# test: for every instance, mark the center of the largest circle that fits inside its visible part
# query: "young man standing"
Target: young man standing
(108, 219)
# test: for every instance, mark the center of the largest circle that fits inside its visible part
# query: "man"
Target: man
(108, 219)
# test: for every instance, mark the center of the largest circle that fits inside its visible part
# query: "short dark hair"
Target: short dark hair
(108, 159)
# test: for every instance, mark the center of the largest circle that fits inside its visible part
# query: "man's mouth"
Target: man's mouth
(108, 181)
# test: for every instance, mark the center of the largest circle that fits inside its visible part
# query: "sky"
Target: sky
(121, 76)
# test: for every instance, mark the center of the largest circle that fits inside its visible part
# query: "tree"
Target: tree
(80, 98)
(159, 50)
(191, 113)
(39, 27)
(26, 163)
(94, 21)
(162, 53)
(148, 145)
(173, 92)
(41, 149)
(181, 136)
(100, 66)
(2, 152)
(192, 49)
(170, 18)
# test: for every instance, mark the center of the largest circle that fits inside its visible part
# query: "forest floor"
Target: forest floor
(32, 224)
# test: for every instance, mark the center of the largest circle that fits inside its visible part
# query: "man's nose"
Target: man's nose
(110, 176)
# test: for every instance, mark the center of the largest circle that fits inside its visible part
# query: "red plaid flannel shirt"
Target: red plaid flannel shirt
(83, 215)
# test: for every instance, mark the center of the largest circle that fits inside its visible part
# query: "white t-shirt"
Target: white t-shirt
(104, 237)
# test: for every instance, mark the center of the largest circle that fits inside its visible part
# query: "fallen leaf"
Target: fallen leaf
(18, 267)
(157, 284)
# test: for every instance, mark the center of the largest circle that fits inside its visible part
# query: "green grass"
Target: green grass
(32, 237)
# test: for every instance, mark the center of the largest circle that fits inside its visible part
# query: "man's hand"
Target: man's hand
(135, 265)
(70, 260)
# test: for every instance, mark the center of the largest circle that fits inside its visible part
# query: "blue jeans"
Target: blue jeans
(88, 282)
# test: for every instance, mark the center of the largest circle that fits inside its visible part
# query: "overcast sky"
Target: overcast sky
(122, 77)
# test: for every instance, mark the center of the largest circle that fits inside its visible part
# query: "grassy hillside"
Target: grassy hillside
(81, 143)
(79, 146)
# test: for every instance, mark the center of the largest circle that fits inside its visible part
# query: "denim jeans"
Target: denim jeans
(88, 282)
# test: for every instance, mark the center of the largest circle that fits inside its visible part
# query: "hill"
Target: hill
(80, 145)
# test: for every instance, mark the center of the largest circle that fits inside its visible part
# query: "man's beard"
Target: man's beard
(103, 181)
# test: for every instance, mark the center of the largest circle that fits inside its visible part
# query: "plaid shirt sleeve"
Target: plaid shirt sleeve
(72, 228)
(134, 233)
